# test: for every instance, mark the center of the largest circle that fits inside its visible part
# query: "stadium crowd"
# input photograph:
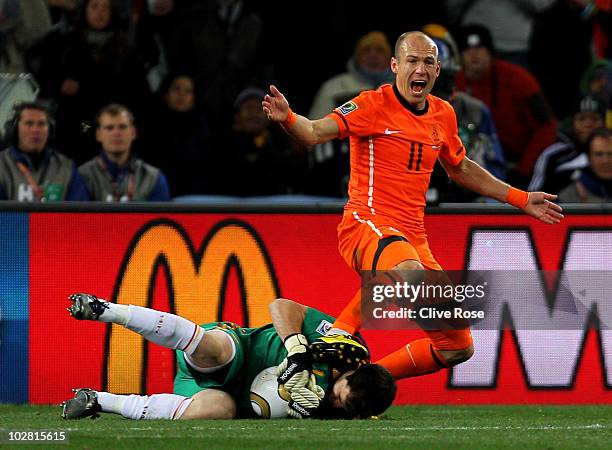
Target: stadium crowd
(150, 100)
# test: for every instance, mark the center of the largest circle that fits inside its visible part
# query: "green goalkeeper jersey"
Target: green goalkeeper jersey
(256, 350)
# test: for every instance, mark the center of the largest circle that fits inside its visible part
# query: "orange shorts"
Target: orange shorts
(361, 244)
(450, 339)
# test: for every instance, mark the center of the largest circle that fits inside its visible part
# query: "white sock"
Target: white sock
(337, 331)
(156, 406)
(114, 313)
(111, 403)
(165, 329)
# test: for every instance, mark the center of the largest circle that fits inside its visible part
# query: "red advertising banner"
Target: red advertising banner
(209, 267)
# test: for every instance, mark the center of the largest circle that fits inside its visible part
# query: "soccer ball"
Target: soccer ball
(268, 400)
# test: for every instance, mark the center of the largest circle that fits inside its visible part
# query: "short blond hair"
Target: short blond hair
(113, 110)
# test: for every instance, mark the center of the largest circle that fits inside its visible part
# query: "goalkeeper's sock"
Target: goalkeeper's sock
(165, 329)
(143, 407)
(111, 403)
(349, 319)
(114, 313)
(416, 358)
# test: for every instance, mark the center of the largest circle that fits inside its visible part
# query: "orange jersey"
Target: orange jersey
(394, 148)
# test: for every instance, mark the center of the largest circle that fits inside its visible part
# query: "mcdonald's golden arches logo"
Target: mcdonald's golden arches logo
(197, 282)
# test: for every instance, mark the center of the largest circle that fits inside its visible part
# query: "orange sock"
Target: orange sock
(349, 319)
(414, 359)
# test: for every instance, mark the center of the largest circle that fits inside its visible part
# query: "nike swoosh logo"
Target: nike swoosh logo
(388, 131)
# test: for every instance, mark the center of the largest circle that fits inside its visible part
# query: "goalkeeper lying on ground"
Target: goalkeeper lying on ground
(217, 363)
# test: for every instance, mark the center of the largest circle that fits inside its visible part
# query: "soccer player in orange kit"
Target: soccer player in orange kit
(397, 133)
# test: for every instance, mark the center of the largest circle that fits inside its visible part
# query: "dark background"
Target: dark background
(309, 42)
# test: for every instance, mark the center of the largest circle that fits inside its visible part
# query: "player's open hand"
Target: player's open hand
(541, 207)
(275, 105)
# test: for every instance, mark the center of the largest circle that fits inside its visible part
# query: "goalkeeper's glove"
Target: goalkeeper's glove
(297, 362)
(305, 399)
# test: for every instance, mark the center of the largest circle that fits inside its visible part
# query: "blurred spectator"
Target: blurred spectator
(560, 31)
(367, 68)
(600, 12)
(160, 7)
(14, 88)
(177, 138)
(597, 80)
(474, 122)
(30, 170)
(150, 24)
(115, 175)
(593, 184)
(256, 159)
(22, 24)
(525, 123)
(510, 21)
(217, 42)
(553, 169)
(63, 13)
(87, 68)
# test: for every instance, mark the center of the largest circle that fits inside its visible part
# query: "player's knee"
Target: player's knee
(454, 357)
(410, 271)
(409, 264)
(211, 404)
(215, 349)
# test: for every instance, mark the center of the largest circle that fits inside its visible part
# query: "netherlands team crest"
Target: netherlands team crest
(435, 134)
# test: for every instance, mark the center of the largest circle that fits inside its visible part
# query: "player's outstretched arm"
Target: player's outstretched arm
(472, 176)
(287, 318)
(307, 132)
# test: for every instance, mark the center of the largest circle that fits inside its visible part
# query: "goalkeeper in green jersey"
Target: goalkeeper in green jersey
(217, 362)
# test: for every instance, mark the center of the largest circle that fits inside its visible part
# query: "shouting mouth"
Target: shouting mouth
(417, 86)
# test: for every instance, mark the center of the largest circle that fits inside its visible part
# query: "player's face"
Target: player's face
(600, 157)
(33, 130)
(416, 67)
(116, 133)
(340, 391)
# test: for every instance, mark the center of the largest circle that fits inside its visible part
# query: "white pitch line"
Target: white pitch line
(595, 426)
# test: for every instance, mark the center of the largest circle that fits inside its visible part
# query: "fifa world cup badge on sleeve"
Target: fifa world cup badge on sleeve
(347, 108)
(323, 327)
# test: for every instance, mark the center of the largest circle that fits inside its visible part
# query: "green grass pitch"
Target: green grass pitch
(414, 427)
